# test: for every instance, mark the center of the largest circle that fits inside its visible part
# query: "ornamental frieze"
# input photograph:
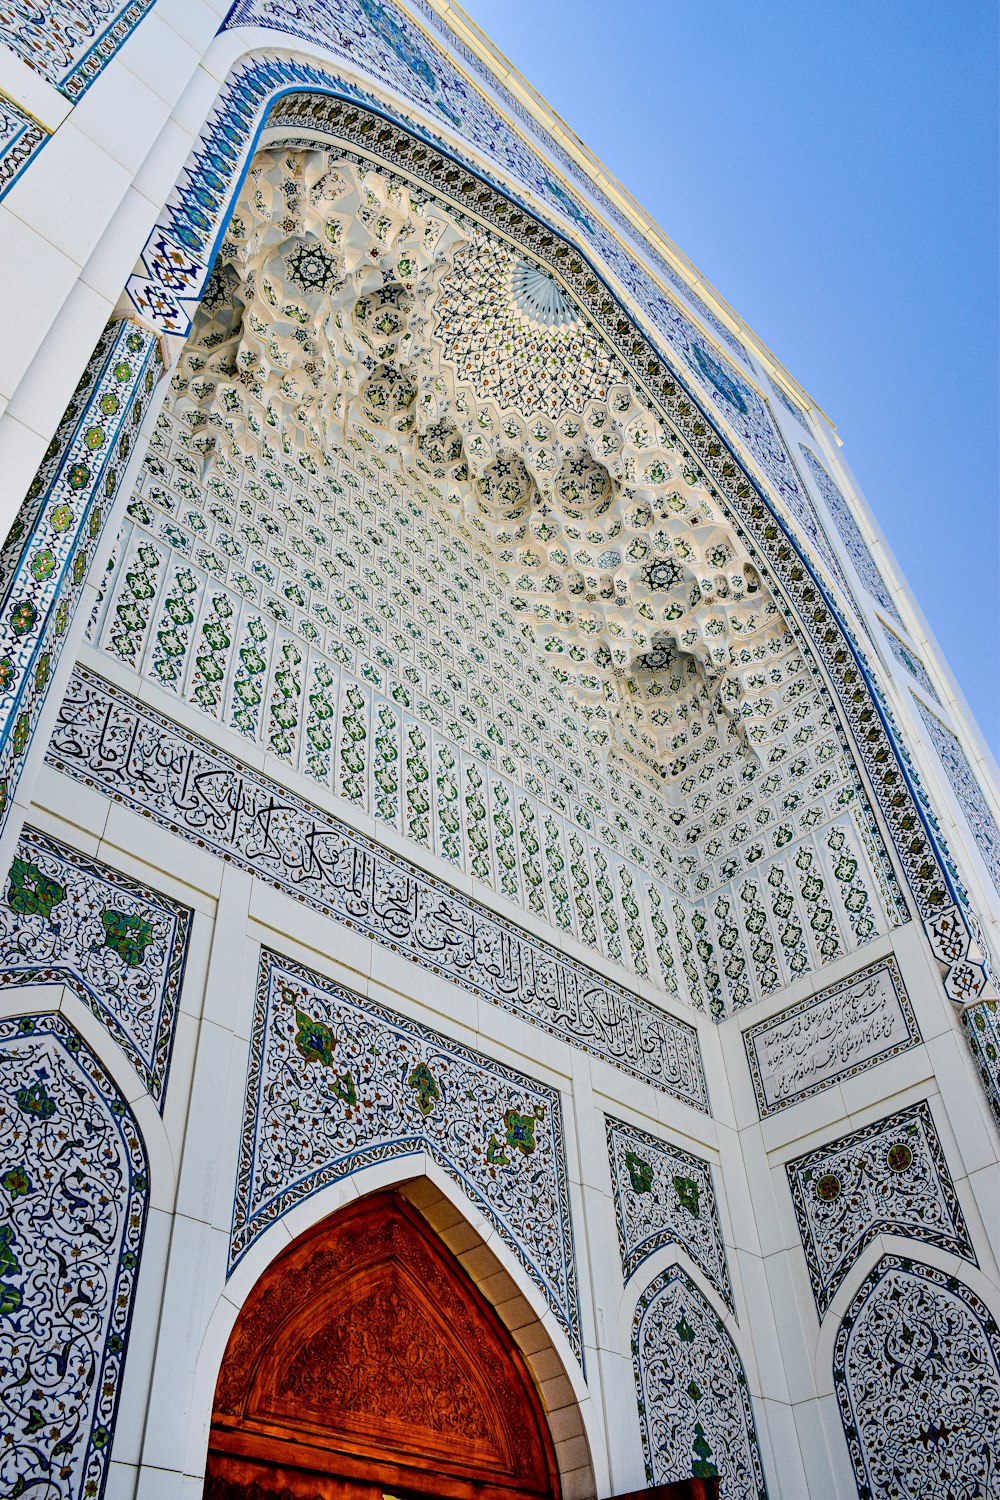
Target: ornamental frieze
(109, 740)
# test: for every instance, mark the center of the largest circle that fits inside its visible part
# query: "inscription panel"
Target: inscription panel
(108, 740)
(827, 1037)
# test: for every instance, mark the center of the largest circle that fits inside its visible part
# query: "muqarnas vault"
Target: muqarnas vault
(498, 905)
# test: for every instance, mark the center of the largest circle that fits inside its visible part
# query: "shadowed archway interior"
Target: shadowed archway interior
(366, 1361)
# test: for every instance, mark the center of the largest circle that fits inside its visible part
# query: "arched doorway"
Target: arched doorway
(365, 1362)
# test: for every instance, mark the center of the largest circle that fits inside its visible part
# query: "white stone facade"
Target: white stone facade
(437, 634)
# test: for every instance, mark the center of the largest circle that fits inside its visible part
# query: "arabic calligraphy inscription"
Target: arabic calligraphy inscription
(108, 740)
(826, 1037)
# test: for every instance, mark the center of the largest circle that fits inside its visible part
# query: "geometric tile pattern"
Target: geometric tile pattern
(982, 1027)
(850, 534)
(694, 1404)
(645, 671)
(889, 1178)
(392, 50)
(20, 138)
(425, 647)
(222, 593)
(75, 1187)
(965, 785)
(234, 121)
(834, 1035)
(917, 1374)
(617, 255)
(134, 755)
(910, 662)
(337, 1082)
(45, 559)
(403, 687)
(66, 919)
(790, 406)
(69, 41)
(664, 1196)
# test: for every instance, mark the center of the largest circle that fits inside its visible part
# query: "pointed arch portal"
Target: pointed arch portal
(365, 1362)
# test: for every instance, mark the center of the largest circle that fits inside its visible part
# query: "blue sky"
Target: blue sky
(832, 170)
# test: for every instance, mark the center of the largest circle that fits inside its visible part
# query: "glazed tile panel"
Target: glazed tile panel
(106, 739)
(75, 1188)
(794, 411)
(356, 632)
(964, 784)
(46, 556)
(337, 1082)
(824, 1038)
(694, 1405)
(66, 41)
(664, 1196)
(343, 626)
(917, 1374)
(891, 1177)
(910, 662)
(121, 947)
(982, 1027)
(20, 138)
(850, 534)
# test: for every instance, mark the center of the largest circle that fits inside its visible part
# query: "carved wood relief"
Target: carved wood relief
(365, 1357)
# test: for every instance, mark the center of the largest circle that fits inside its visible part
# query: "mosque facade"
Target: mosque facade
(497, 990)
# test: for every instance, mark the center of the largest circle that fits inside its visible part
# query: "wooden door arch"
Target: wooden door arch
(365, 1362)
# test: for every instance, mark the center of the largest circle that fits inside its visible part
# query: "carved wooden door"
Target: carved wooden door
(366, 1363)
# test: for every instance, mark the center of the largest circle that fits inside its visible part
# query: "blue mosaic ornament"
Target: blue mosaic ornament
(916, 1368)
(850, 534)
(793, 410)
(889, 1178)
(910, 662)
(67, 919)
(21, 138)
(982, 1027)
(538, 295)
(69, 42)
(665, 1196)
(337, 1082)
(965, 785)
(74, 1184)
(852, 1025)
(694, 1404)
(48, 551)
